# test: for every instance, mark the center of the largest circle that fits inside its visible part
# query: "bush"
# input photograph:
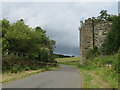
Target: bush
(26, 68)
(51, 59)
(112, 42)
(33, 68)
(28, 46)
(119, 61)
(92, 53)
(15, 69)
(43, 55)
(103, 61)
(111, 61)
(15, 63)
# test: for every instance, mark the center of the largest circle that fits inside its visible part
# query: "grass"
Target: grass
(93, 76)
(97, 78)
(8, 76)
(73, 60)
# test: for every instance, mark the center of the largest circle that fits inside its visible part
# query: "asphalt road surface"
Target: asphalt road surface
(65, 77)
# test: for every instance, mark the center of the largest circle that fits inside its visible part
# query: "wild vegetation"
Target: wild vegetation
(112, 41)
(106, 59)
(102, 67)
(6, 77)
(25, 48)
(111, 45)
(94, 75)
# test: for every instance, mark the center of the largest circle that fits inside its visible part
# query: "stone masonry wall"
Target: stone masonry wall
(92, 32)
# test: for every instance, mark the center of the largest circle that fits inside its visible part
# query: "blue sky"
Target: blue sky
(60, 19)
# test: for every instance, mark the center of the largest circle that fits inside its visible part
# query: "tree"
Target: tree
(112, 41)
(18, 36)
(5, 26)
(39, 29)
(21, 39)
(103, 15)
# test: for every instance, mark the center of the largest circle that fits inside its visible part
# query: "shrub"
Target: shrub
(43, 55)
(14, 69)
(51, 59)
(26, 68)
(13, 63)
(103, 61)
(112, 42)
(92, 53)
(24, 46)
(33, 68)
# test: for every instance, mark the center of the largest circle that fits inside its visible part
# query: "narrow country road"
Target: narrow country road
(65, 77)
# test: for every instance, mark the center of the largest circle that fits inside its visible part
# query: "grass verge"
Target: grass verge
(98, 78)
(8, 76)
(93, 76)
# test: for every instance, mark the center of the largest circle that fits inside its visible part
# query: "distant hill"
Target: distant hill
(62, 56)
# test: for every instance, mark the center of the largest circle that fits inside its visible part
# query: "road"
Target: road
(65, 77)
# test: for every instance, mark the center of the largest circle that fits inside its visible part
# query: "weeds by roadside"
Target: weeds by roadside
(95, 75)
(8, 76)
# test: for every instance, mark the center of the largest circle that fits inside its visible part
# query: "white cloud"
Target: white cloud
(59, 0)
(61, 20)
(0, 11)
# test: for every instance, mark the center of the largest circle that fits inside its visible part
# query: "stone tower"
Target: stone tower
(92, 32)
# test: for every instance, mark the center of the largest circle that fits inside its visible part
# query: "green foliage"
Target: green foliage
(14, 70)
(112, 62)
(103, 15)
(111, 18)
(52, 58)
(94, 75)
(5, 46)
(18, 63)
(26, 68)
(92, 53)
(21, 43)
(106, 68)
(5, 26)
(112, 41)
(43, 55)
(105, 61)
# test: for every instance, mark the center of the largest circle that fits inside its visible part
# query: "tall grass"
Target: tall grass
(104, 67)
(99, 72)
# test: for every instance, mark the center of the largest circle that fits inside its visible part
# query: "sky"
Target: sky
(61, 20)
